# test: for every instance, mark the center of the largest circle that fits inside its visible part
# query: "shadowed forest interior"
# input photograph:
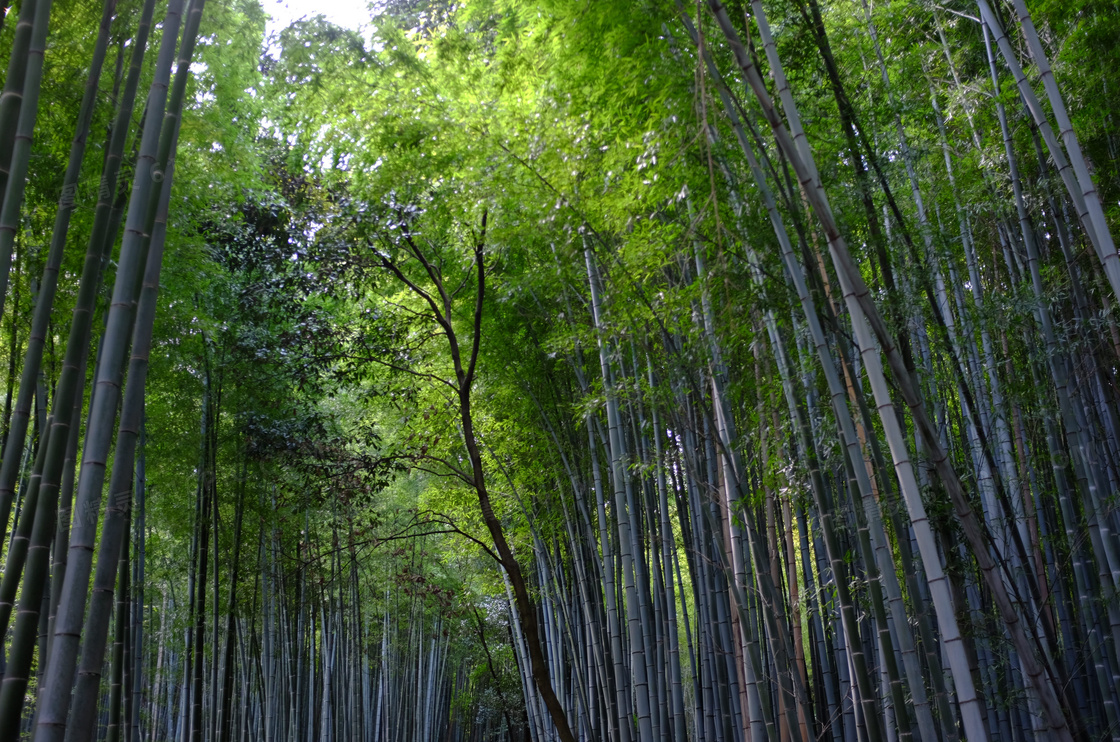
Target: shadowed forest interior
(555, 370)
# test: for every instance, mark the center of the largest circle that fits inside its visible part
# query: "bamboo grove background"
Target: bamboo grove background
(555, 370)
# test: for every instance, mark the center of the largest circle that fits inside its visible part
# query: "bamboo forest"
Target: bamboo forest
(556, 370)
